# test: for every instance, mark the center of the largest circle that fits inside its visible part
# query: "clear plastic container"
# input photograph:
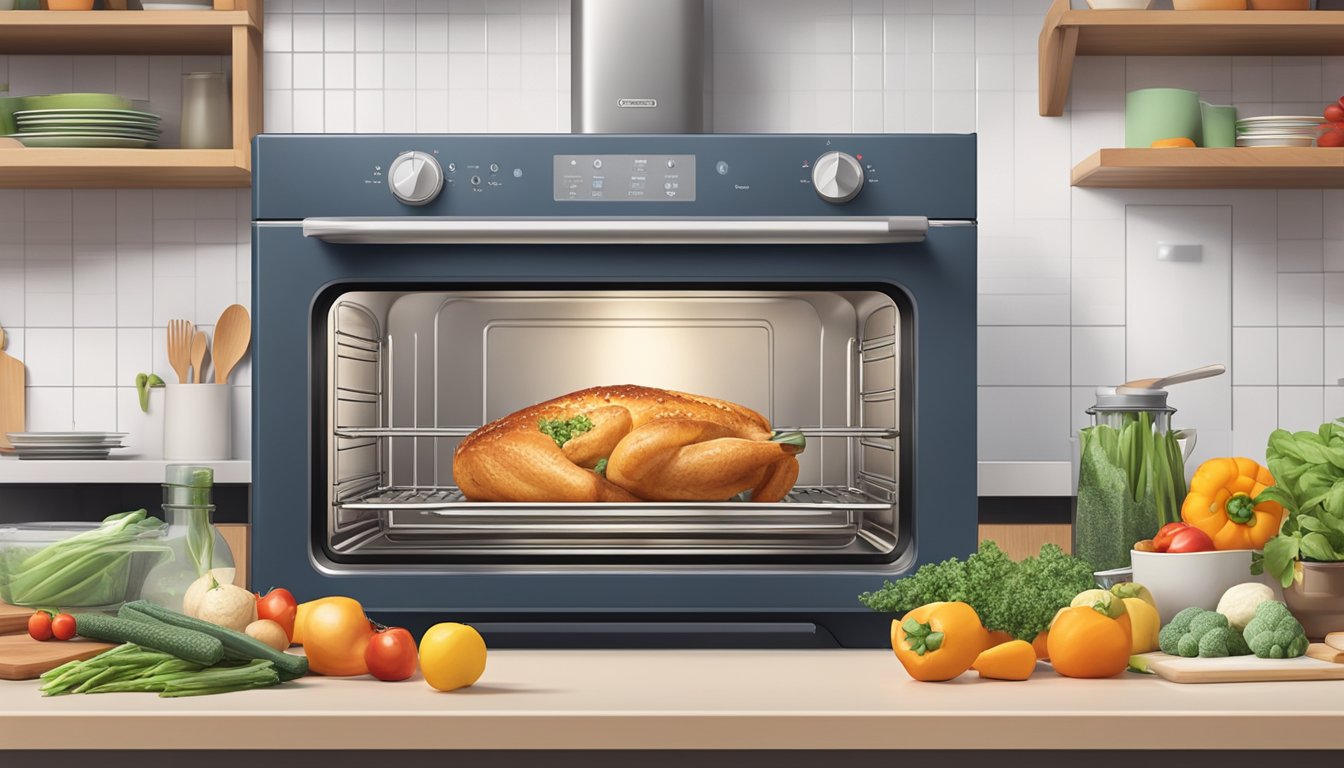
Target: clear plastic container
(80, 565)
(195, 546)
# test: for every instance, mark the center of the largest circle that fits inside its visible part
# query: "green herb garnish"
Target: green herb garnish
(564, 430)
(601, 467)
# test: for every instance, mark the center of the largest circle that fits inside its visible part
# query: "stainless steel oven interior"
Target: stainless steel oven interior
(409, 373)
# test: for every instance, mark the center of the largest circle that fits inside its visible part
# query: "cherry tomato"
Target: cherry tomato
(63, 626)
(391, 655)
(1332, 138)
(39, 626)
(1163, 538)
(279, 606)
(1334, 113)
(1190, 539)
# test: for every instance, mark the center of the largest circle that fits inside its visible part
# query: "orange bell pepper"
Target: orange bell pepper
(938, 641)
(998, 637)
(1085, 642)
(1221, 503)
(1041, 644)
(1013, 660)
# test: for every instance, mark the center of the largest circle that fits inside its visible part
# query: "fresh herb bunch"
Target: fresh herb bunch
(1308, 469)
(564, 430)
(1019, 598)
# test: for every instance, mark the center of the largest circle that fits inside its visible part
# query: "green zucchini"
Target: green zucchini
(184, 643)
(236, 644)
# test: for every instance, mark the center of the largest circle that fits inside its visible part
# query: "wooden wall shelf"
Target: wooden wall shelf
(1200, 168)
(1070, 33)
(233, 29)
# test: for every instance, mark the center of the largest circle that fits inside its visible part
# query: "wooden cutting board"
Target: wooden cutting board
(11, 393)
(13, 618)
(23, 658)
(1335, 640)
(1241, 669)
(1325, 653)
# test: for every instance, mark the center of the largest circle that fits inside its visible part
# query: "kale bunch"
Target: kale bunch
(1017, 598)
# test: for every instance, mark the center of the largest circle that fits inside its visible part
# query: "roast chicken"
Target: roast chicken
(627, 443)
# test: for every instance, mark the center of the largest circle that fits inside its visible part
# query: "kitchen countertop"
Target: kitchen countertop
(841, 699)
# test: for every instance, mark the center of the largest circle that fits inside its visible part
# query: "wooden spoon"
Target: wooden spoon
(179, 347)
(198, 345)
(1208, 371)
(233, 333)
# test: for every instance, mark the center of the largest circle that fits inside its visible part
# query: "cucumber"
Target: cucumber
(184, 643)
(236, 645)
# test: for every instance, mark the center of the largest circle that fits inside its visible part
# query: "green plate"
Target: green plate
(76, 127)
(144, 124)
(77, 101)
(72, 140)
(119, 114)
(81, 132)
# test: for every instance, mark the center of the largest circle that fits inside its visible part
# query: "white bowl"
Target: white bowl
(1199, 579)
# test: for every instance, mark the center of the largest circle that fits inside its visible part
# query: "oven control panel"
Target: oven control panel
(596, 175)
(624, 178)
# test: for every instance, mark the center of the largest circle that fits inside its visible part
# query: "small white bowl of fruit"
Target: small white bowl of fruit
(1181, 568)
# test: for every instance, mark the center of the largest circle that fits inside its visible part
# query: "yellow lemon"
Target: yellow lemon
(452, 656)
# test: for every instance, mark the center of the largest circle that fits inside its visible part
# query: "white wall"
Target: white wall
(1053, 308)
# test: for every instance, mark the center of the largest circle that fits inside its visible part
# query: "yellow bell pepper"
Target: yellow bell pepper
(1222, 504)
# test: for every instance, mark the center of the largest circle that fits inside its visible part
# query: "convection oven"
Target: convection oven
(409, 289)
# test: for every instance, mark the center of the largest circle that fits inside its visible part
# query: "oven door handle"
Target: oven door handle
(615, 231)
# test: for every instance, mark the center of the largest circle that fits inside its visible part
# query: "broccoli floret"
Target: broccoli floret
(1274, 633)
(1197, 632)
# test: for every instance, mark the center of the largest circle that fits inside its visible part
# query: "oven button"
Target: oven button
(416, 178)
(837, 177)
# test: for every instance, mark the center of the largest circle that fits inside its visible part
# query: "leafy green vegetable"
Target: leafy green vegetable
(1017, 598)
(564, 430)
(89, 569)
(601, 467)
(131, 668)
(1206, 634)
(143, 383)
(1131, 481)
(1274, 634)
(1308, 469)
(796, 439)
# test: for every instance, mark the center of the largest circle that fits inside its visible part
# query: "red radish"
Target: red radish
(1334, 113)
(1332, 138)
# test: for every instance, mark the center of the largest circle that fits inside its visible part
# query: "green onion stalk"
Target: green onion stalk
(92, 568)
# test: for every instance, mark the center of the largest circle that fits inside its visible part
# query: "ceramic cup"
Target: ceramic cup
(196, 422)
(1162, 113)
(1219, 124)
(205, 111)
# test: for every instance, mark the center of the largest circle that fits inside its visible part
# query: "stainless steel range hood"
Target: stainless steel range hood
(637, 67)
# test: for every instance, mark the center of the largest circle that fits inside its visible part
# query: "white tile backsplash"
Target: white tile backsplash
(113, 266)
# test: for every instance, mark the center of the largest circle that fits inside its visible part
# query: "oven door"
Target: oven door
(381, 342)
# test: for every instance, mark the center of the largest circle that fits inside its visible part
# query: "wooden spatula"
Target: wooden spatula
(1207, 372)
(179, 348)
(11, 393)
(198, 346)
(233, 333)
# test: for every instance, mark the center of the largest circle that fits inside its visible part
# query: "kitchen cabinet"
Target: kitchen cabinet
(233, 28)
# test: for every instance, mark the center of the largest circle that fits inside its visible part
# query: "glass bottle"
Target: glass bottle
(196, 546)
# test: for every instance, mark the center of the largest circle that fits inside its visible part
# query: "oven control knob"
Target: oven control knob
(416, 178)
(837, 177)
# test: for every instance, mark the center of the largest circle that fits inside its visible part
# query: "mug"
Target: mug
(1219, 125)
(196, 422)
(1162, 113)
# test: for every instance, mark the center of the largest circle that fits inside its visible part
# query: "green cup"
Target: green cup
(1152, 114)
(1220, 125)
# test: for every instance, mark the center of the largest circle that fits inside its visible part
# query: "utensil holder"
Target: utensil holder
(196, 422)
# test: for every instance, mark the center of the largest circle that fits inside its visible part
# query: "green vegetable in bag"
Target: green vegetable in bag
(92, 568)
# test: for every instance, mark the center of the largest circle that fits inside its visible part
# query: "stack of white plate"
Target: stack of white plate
(64, 445)
(1278, 131)
(89, 127)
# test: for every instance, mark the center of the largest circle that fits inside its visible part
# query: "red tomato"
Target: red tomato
(279, 606)
(1163, 538)
(391, 655)
(1334, 113)
(63, 626)
(39, 626)
(1190, 540)
(1332, 138)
